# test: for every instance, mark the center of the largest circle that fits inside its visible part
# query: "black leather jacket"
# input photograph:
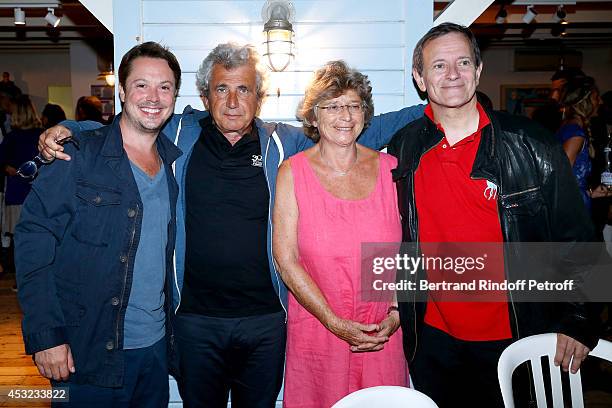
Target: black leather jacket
(538, 201)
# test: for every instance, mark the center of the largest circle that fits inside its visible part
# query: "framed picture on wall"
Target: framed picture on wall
(106, 94)
(523, 99)
(103, 91)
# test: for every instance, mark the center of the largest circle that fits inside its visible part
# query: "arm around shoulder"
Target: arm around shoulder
(383, 127)
(293, 139)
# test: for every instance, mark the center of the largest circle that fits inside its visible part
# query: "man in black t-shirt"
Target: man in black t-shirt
(230, 325)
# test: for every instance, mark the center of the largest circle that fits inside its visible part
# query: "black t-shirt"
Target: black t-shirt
(226, 263)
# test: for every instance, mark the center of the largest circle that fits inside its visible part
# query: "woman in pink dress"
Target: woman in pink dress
(329, 199)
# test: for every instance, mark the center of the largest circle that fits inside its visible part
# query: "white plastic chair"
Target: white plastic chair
(386, 397)
(532, 349)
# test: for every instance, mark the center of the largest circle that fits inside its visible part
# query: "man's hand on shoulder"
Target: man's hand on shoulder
(567, 348)
(55, 363)
(48, 144)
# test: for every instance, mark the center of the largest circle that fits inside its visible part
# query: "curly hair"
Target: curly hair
(232, 55)
(331, 81)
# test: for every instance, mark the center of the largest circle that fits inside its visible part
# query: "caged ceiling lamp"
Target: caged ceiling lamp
(278, 33)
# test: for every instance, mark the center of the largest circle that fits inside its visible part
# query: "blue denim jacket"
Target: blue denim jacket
(75, 248)
(278, 142)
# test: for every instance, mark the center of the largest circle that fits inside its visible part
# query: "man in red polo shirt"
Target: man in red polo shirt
(463, 175)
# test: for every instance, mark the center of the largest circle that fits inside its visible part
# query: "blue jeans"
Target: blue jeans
(145, 383)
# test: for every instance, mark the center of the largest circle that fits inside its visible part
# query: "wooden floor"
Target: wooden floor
(16, 368)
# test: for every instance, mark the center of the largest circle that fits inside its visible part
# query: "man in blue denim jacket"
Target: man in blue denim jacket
(218, 307)
(94, 249)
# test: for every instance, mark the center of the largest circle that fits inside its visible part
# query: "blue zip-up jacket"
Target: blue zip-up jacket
(75, 248)
(278, 142)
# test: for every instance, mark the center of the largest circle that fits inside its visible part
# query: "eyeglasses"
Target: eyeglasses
(353, 108)
(29, 169)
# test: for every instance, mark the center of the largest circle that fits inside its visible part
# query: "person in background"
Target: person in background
(580, 103)
(560, 80)
(52, 115)
(17, 147)
(329, 200)
(5, 127)
(5, 114)
(89, 108)
(8, 87)
(550, 114)
(601, 195)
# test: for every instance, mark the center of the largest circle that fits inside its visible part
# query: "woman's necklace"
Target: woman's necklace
(340, 172)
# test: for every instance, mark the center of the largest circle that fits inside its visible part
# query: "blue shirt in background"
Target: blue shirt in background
(582, 165)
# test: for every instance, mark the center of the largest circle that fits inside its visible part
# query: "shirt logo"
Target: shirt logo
(490, 193)
(256, 160)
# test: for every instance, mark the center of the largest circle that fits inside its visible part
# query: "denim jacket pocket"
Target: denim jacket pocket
(97, 195)
(97, 211)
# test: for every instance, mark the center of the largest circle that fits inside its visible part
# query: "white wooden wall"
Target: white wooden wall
(374, 36)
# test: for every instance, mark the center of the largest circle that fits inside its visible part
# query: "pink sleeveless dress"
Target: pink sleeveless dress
(320, 368)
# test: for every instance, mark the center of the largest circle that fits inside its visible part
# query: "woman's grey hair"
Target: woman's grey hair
(232, 55)
(331, 81)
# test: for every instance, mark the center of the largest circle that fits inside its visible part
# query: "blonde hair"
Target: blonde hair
(23, 114)
(577, 100)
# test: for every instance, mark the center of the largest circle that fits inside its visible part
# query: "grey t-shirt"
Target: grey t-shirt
(145, 316)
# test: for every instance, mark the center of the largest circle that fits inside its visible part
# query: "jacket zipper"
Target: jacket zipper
(529, 190)
(278, 284)
(503, 197)
(181, 202)
(127, 265)
(416, 235)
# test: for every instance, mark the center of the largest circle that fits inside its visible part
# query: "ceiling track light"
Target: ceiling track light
(559, 16)
(502, 14)
(530, 15)
(19, 16)
(51, 18)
